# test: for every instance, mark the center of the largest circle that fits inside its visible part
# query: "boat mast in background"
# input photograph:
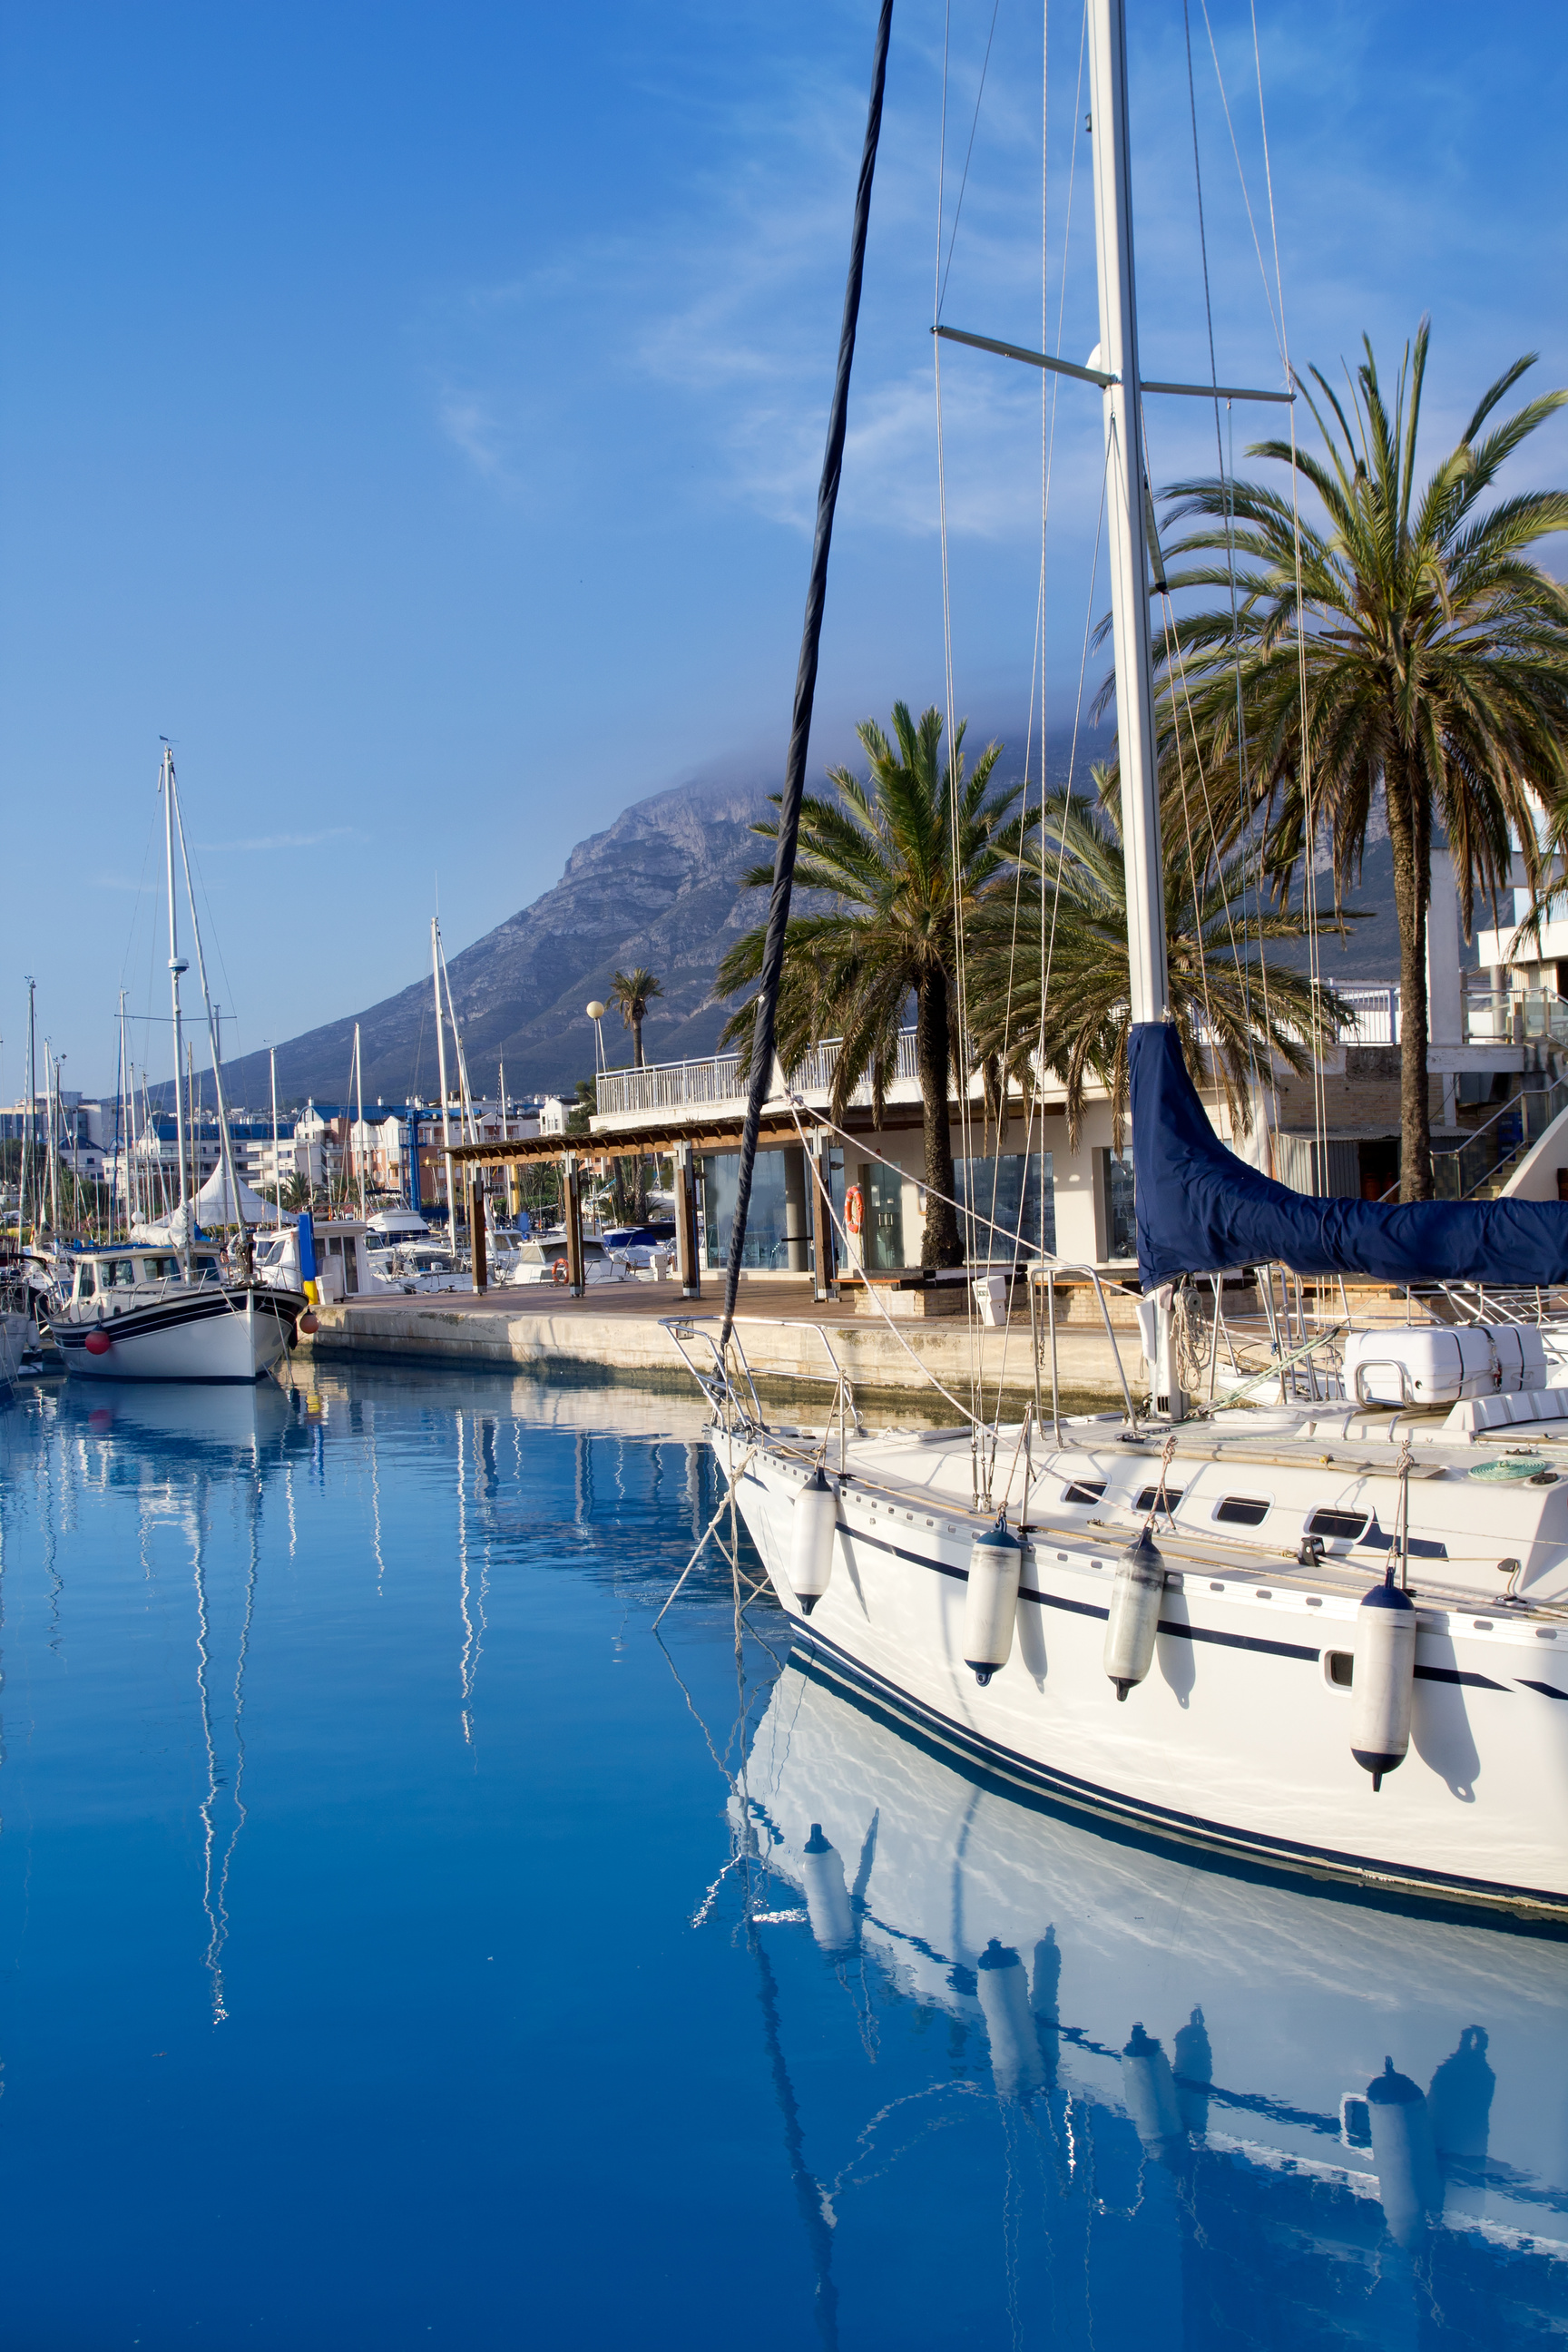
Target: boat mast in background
(226, 1140)
(30, 1130)
(441, 1066)
(277, 1173)
(359, 1122)
(176, 966)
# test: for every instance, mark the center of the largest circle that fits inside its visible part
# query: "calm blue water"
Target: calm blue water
(402, 1946)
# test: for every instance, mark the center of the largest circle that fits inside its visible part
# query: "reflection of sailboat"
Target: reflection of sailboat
(1240, 2028)
(212, 1421)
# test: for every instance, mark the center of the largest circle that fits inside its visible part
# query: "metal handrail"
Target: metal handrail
(719, 1387)
(1468, 1173)
(1046, 1271)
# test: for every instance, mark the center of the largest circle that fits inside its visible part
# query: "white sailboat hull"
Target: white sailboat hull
(1238, 1740)
(940, 1875)
(205, 1333)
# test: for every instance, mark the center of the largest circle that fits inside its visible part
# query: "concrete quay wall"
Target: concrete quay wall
(575, 1342)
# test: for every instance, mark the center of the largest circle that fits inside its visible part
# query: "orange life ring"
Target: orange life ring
(558, 1273)
(854, 1209)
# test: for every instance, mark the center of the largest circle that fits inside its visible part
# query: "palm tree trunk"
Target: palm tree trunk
(942, 1244)
(637, 1040)
(1410, 837)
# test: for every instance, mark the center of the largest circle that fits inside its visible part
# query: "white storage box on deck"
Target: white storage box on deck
(991, 1297)
(1439, 1363)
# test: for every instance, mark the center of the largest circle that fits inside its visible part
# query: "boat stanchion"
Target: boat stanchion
(813, 1539)
(991, 1602)
(1135, 1619)
(1383, 1680)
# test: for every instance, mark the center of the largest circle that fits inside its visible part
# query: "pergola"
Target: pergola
(682, 1141)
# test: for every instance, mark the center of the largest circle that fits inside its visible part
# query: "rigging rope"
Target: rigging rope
(763, 1033)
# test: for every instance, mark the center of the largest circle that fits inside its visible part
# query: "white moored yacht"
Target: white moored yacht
(1333, 1637)
(136, 1314)
(151, 1309)
(1249, 1545)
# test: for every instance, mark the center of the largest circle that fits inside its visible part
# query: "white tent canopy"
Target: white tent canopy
(213, 1206)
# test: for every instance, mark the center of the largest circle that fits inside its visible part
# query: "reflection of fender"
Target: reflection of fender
(558, 1273)
(854, 1209)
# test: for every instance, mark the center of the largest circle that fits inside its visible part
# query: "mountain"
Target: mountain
(660, 887)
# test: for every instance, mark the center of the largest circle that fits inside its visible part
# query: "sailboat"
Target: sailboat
(165, 1309)
(1329, 1638)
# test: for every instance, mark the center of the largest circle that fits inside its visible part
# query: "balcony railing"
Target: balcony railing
(690, 1086)
(1491, 1017)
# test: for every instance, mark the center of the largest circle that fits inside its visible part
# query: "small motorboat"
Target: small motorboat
(134, 1314)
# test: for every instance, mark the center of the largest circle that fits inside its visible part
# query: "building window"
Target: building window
(883, 1239)
(765, 1242)
(1016, 1194)
(1120, 1202)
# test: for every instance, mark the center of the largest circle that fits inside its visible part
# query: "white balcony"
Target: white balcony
(717, 1083)
(1508, 1018)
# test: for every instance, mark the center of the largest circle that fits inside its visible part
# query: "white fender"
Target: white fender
(827, 1903)
(1135, 1619)
(991, 1602)
(812, 1540)
(1383, 1682)
(1408, 2180)
(1148, 2089)
(1010, 2028)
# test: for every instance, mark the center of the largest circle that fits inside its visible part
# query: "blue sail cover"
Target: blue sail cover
(1201, 1209)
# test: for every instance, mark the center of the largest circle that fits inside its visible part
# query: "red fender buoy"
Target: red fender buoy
(307, 1323)
(97, 1343)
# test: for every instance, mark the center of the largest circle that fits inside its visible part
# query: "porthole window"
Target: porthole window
(1083, 1490)
(1151, 1497)
(1339, 1526)
(1242, 1511)
(1339, 1668)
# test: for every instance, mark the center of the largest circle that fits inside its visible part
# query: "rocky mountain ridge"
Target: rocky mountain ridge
(660, 886)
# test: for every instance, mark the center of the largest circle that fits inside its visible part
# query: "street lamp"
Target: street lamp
(596, 1016)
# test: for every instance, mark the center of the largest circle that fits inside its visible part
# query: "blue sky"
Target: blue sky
(416, 413)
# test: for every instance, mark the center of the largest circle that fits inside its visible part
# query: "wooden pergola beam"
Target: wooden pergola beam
(702, 1135)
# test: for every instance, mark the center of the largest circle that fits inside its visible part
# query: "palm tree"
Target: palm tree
(1225, 1005)
(1406, 647)
(885, 852)
(631, 992)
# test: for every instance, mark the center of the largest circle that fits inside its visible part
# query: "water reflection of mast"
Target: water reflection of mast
(471, 1608)
(810, 2196)
(217, 1866)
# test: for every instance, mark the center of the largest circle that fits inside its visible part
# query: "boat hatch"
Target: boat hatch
(1242, 1510)
(1339, 1526)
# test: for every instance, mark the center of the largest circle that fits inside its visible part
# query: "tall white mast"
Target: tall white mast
(359, 1122)
(441, 1066)
(176, 966)
(1126, 478)
(123, 1124)
(29, 1184)
(277, 1173)
(226, 1140)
